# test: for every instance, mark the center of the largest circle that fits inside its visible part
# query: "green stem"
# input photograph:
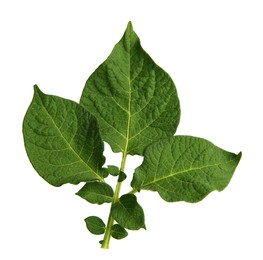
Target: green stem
(107, 235)
(133, 191)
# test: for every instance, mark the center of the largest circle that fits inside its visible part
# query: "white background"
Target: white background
(214, 52)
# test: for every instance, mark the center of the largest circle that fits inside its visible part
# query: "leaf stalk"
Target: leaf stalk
(106, 240)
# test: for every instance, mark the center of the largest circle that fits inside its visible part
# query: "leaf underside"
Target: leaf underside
(134, 100)
(185, 168)
(62, 140)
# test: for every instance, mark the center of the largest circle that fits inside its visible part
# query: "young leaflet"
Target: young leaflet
(132, 104)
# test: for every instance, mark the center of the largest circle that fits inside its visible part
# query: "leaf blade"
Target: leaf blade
(113, 170)
(95, 225)
(62, 140)
(185, 168)
(140, 96)
(96, 192)
(128, 213)
(118, 232)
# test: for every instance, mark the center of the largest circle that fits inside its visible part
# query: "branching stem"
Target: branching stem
(107, 235)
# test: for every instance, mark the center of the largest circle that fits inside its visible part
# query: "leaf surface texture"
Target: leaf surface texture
(134, 100)
(128, 213)
(95, 225)
(118, 232)
(96, 192)
(185, 168)
(62, 140)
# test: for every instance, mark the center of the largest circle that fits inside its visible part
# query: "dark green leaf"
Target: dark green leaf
(95, 225)
(185, 168)
(122, 177)
(118, 232)
(128, 213)
(134, 100)
(105, 172)
(62, 140)
(96, 192)
(113, 170)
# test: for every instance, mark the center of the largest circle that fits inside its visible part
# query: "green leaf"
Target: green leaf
(122, 177)
(133, 105)
(134, 100)
(128, 213)
(96, 192)
(113, 170)
(62, 140)
(185, 168)
(95, 225)
(118, 232)
(104, 172)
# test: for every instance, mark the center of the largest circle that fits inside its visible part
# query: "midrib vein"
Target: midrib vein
(172, 174)
(71, 148)
(129, 104)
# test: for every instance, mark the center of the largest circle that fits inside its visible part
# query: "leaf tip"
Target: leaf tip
(129, 27)
(238, 157)
(36, 88)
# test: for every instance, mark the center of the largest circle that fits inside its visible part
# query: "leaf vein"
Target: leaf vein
(70, 147)
(172, 174)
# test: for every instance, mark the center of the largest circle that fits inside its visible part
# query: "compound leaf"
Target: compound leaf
(62, 140)
(95, 225)
(96, 192)
(134, 100)
(128, 213)
(185, 168)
